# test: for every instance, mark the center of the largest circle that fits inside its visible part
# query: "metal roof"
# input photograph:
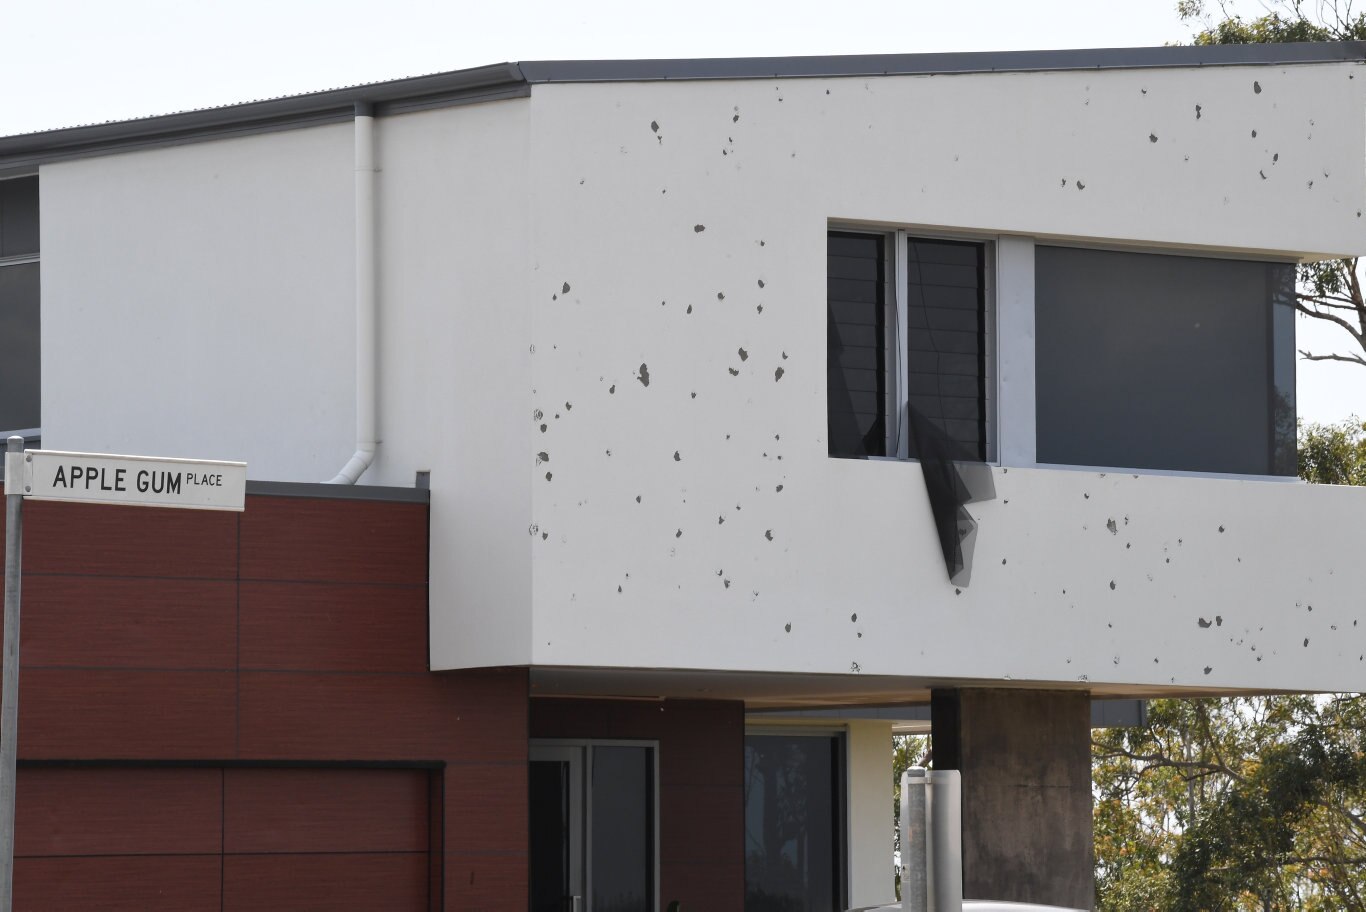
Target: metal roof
(514, 80)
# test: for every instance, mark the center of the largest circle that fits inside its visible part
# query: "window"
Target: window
(794, 823)
(1164, 362)
(906, 324)
(19, 316)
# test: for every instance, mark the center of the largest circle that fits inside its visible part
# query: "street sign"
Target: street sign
(148, 481)
(195, 484)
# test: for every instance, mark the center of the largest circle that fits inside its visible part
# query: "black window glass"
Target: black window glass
(945, 315)
(856, 366)
(550, 834)
(622, 829)
(1164, 362)
(19, 217)
(19, 347)
(792, 819)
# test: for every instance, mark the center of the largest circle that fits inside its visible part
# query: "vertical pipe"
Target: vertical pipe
(946, 839)
(9, 683)
(914, 832)
(367, 295)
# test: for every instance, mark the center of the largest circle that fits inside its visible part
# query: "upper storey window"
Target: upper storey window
(906, 342)
(1164, 362)
(19, 340)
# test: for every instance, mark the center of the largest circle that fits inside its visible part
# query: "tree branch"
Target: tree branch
(1321, 300)
(1351, 330)
(1161, 761)
(1350, 359)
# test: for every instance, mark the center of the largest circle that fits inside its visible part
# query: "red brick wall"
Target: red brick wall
(294, 634)
(701, 787)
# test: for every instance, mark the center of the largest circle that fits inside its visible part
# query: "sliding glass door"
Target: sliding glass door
(592, 827)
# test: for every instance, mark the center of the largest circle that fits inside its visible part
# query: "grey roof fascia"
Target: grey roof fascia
(548, 71)
(325, 491)
(488, 83)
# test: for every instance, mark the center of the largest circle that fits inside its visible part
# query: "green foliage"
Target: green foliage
(1237, 804)
(1282, 21)
(1334, 453)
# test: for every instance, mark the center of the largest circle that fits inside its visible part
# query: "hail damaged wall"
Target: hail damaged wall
(603, 333)
(686, 514)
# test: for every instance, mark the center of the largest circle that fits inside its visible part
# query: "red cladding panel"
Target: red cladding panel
(167, 715)
(716, 888)
(322, 810)
(346, 541)
(99, 539)
(706, 743)
(486, 808)
(382, 717)
(702, 824)
(331, 627)
(93, 622)
(90, 811)
(326, 883)
(487, 883)
(185, 883)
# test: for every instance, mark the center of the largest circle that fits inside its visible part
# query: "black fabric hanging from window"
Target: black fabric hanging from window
(953, 479)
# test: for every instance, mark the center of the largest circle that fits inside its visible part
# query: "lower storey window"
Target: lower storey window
(794, 823)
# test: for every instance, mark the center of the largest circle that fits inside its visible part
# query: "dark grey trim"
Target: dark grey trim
(323, 491)
(1104, 713)
(514, 80)
(943, 64)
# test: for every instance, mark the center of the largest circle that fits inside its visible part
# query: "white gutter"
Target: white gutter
(366, 301)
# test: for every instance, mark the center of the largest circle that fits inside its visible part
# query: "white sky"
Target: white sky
(68, 62)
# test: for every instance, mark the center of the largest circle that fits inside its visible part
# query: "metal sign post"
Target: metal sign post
(9, 684)
(194, 484)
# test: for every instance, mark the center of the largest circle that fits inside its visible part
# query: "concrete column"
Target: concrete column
(1025, 759)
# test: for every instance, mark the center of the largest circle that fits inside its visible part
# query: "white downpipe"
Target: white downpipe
(366, 301)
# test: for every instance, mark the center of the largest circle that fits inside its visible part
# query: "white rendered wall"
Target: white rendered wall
(697, 522)
(455, 360)
(870, 816)
(198, 301)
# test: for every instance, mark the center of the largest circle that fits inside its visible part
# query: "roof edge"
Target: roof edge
(1175, 56)
(486, 83)
(24, 152)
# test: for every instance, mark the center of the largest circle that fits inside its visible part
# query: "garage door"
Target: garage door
(224, 839)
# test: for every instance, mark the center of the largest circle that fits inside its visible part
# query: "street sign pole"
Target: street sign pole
(9, 684)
